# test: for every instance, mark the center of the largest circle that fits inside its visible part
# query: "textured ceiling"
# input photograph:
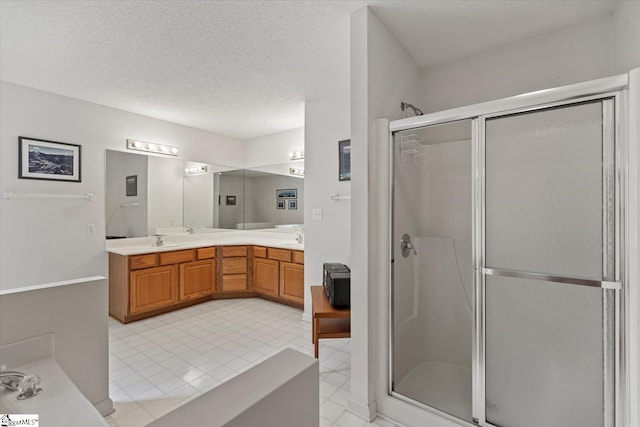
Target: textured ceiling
(240, 68)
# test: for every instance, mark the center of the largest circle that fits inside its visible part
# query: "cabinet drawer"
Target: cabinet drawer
(234, 282)
(143, 261)
(229, 251)
(259, 252)
(280, 254)
(206, 253)
(177, 257)
(298, 257)
(234, 265)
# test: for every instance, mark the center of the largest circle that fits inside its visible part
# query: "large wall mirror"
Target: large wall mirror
(150, 195)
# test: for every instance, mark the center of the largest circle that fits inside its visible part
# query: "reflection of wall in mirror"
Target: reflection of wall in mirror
(200, 203)
(261, 197)
(165, 193)
(125, 216)
(231, 185)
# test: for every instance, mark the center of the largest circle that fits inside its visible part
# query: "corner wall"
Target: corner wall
(566, 56)
(382, 75)
(627, 36)
(272, 149)
(327, 121)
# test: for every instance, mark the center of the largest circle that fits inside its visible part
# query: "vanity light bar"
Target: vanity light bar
(296, 172)
(196, 170)
(151, 147)
(296, 155)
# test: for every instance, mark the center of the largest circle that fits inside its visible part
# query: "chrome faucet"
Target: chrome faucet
(11, 379)
(300, 238)
(158, 241)
(190, 230)
(27, 386)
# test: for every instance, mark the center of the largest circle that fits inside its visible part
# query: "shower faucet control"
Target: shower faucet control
(406, 246)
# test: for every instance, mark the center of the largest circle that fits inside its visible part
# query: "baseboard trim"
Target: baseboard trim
(365, 411)
(306, 317)
(105, 407)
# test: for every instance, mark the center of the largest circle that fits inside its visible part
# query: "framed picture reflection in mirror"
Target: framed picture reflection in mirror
(344, 160)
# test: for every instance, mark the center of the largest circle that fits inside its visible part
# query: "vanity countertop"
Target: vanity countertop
(144, 245)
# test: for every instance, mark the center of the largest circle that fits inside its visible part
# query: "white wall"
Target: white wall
(633, 301)
(53, 233)
(327, 121)
(382, 75)
(571, 55)
(272, 149)
(281, 391)
(165, 190)
(627, 36)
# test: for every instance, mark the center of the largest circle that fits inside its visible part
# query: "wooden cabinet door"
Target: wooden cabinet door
(197, 279)
(153, 288)
(292, 282)
(265, 276)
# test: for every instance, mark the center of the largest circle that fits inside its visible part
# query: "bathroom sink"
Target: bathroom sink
(166, 245)
(59, 404)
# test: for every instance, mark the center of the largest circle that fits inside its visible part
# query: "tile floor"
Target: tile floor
(158, 364)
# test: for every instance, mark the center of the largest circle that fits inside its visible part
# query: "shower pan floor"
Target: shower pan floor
(439, 385)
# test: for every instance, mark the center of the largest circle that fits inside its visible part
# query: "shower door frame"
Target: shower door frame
(612, 251)
(615, 223)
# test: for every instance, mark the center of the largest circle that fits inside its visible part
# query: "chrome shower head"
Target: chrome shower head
(416, 110)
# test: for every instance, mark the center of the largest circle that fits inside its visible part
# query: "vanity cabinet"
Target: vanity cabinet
(148, 284)
(144, 285)
(279, 273)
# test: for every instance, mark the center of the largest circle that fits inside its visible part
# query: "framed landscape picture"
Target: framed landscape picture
(50, 160)
(279, 204)
(293, 204)
(288, 193)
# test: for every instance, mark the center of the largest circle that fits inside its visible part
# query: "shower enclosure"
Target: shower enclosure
(506, 302)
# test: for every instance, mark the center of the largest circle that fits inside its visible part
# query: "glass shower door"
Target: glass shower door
(432, 268)
(547, 268)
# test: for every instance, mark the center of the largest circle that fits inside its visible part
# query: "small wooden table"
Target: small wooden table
(336, 323)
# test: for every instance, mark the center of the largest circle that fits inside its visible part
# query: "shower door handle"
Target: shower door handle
(406, 246)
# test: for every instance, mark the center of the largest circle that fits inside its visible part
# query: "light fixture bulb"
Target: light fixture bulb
(133, 144)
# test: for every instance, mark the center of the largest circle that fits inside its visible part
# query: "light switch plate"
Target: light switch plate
(91, 229)
(316, 214)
